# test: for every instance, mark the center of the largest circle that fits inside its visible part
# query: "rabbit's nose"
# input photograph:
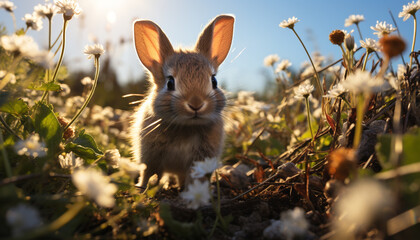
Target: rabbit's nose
(196, 104)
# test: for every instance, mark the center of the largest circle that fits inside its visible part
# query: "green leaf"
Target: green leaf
(87, 140)
(16, 107)
(83, 152)
(47, 126)
(51, 86)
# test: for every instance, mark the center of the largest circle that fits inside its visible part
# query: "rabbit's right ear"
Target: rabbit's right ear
(152, 45)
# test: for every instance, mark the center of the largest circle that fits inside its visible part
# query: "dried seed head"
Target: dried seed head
(392, 45)
(337, 37)
(69, 133)
(341, 163)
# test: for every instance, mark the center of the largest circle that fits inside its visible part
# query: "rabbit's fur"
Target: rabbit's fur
(180, 120)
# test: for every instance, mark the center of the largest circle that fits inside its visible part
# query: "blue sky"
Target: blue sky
(257, 33)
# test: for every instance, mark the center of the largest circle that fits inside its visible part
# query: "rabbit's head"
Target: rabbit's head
(184, 84)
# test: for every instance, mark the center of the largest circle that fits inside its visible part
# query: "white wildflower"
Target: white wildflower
(347, 34)
(362, 82)
(133, 169)
(43, 58)
(11, 78)
(70, 160)
(409, 10)
(95, 185)
(65, 89)
(337, 91)
(7, 5)
(87, 81)
(68, 8)
(112, 157)
(33, 21)
(197, 194)
(283, 65)
(47, 10)
(289, 23)
(370, 45)
(292, 225)
(382, 28)
(353, 19)
(393, 81)
(94, 51)
(362, 203)
(304, 90)
(401, 71)
(31, 146)
(20, 44)
(23, 218)
(202, 168)
(270, 60)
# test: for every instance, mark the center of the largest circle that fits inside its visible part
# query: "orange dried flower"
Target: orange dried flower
(337, 37)
(392, 45)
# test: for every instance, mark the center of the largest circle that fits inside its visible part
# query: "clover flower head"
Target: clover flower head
(353, 19)
(382, 28)
(94, 51)
(370, 45)
(202, 168)
(31, 147)
(409, 10)
(289, 23)
(197, 194)
(68, 8)
(95, 185)
(304, 90)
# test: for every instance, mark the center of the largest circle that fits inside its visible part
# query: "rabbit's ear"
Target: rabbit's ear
(215, 40)
(152, 45)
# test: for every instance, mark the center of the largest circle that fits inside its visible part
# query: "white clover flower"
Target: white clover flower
(11, 77)
(270, 60)
(33, 21)
(337, 91)
(47, 10)
(304, 90)
(409, 10)
(23, 218)
(68, 8)
(401, 71)
(362, 203)
(353, 19)
(370, 45)
(362, 82)
(112, 157)
(382, 28)
(95, 185)
(289, 23)
(70, 161)
(31, 147)
(7, 5)
(202, 168)
(283, 65)
(86, 81)
(94, 51)
(21, 44)
(292, 225)
(197, 194)
(133, 169)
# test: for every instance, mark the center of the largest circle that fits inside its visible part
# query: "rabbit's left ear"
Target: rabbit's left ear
(215, 40)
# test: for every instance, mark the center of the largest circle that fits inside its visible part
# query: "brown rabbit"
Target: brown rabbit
(180, 120)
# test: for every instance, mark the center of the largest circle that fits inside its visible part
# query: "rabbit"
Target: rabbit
(180, 120)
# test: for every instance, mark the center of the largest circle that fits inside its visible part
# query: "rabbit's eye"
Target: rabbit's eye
(171, 83)
(214, 81)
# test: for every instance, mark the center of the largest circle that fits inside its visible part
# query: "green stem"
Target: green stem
(7, 166)
(365, 61)
(60, 60)
(318, 81)
(7, 127)
(49, 46)
(92, 91)
(414, 39)
(217, 207)
(345, 57)
(358, 29)
(14, 20)
(346, 101)
(56, 40)
(308, 112)
(359, 118)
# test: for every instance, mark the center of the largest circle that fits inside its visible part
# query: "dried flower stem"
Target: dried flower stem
(318, 82)
(359, 118)
(414, 39)
(60, 60)
(365, 61)
(92, 91)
